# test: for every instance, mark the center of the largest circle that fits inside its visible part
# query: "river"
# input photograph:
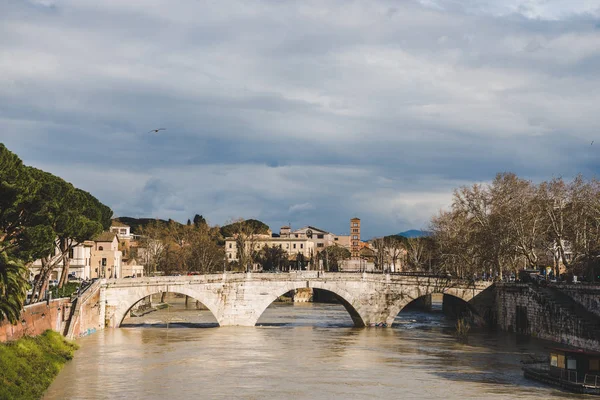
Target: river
(299, 351)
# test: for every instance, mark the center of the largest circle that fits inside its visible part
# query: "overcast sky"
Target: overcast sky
(301, 112)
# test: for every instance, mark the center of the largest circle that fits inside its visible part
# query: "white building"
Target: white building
(123, 231)
(79, 262)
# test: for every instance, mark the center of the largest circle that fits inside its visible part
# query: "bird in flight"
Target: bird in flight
(592, 143)
(156, 130)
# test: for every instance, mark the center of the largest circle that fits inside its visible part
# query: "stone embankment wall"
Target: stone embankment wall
(37, 318)
(524, 309)
(586, 295)
(60, 315)
(86, 317)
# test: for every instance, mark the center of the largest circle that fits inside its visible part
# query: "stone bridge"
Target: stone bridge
(241, 298)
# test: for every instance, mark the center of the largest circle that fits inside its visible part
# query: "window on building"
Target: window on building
(100, 248)
(561, 361)
(230, 255)
(355, 224)
(595, 365)
(294, 245)
(335, 239)
(104, 262)
(571, 363)
(320, 236)
(71, 253)
(301, 245)
(123, 231)
(355, 237)
(296, 235)
(287, 245)
(320, 244)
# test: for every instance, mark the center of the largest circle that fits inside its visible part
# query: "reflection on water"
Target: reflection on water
(302, 351)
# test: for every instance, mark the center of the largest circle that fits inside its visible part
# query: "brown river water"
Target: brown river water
(298, 351)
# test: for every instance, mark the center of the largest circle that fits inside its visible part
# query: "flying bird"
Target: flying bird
(156, 130)
(592, 143)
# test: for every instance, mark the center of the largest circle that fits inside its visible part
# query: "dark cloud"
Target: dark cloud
(299, 112)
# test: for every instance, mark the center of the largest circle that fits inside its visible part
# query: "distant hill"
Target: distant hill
(256, 225)
(414, 233)
(137, 223)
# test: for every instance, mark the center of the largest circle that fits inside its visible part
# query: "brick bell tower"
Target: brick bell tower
(355, 238)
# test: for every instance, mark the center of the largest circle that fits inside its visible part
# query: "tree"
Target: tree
(419, 253)
(73, 215)
(273, 258)
(38, 211)
(333, 257)
(153, 247)
(13, 288)
(246, 234)
(199, 220)
(393, 249)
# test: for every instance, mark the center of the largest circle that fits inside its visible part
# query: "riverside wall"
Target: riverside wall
(520, 308)
(72, 320)
(586, 295)
(38, 318)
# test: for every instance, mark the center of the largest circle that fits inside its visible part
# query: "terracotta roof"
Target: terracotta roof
(105, 237)
(117, 223)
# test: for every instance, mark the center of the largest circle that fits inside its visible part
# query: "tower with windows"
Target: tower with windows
(355, 238)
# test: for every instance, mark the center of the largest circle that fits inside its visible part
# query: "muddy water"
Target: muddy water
(302, 351)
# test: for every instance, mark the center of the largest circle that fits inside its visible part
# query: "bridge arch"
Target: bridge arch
(129, 298)
(396, 307)
(345, 298)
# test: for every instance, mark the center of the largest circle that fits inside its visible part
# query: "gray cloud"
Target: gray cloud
(303, 112)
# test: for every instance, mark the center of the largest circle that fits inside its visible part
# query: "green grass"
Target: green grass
(28, 365)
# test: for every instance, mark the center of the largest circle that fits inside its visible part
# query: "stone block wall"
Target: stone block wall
(586, 295)
(521, 309)
(37, 318)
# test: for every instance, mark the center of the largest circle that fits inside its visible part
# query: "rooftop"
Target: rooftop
(118, 224)
(105, 237)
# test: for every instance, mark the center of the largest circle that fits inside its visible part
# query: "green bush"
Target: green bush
(66, 291)
(28, 365)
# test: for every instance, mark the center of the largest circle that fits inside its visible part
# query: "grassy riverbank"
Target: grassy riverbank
(28, 365)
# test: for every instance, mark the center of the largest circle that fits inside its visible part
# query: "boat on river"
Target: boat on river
(575, 370)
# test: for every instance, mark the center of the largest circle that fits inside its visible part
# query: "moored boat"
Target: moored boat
(575, 370)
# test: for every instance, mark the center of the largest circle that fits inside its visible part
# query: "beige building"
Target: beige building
(291, 244)
(96, 258)
(106, 257)
(130, 267)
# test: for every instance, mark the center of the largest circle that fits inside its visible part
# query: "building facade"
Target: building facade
(106, 257)
(291, 244)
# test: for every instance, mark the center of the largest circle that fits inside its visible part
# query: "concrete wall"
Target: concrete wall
(36, 319)
(521, 309)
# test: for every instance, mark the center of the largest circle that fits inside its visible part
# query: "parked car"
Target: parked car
(53, 283)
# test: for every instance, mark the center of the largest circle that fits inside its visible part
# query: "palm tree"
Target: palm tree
(13, 288)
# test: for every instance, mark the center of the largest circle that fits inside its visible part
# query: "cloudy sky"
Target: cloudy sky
(307, 112)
